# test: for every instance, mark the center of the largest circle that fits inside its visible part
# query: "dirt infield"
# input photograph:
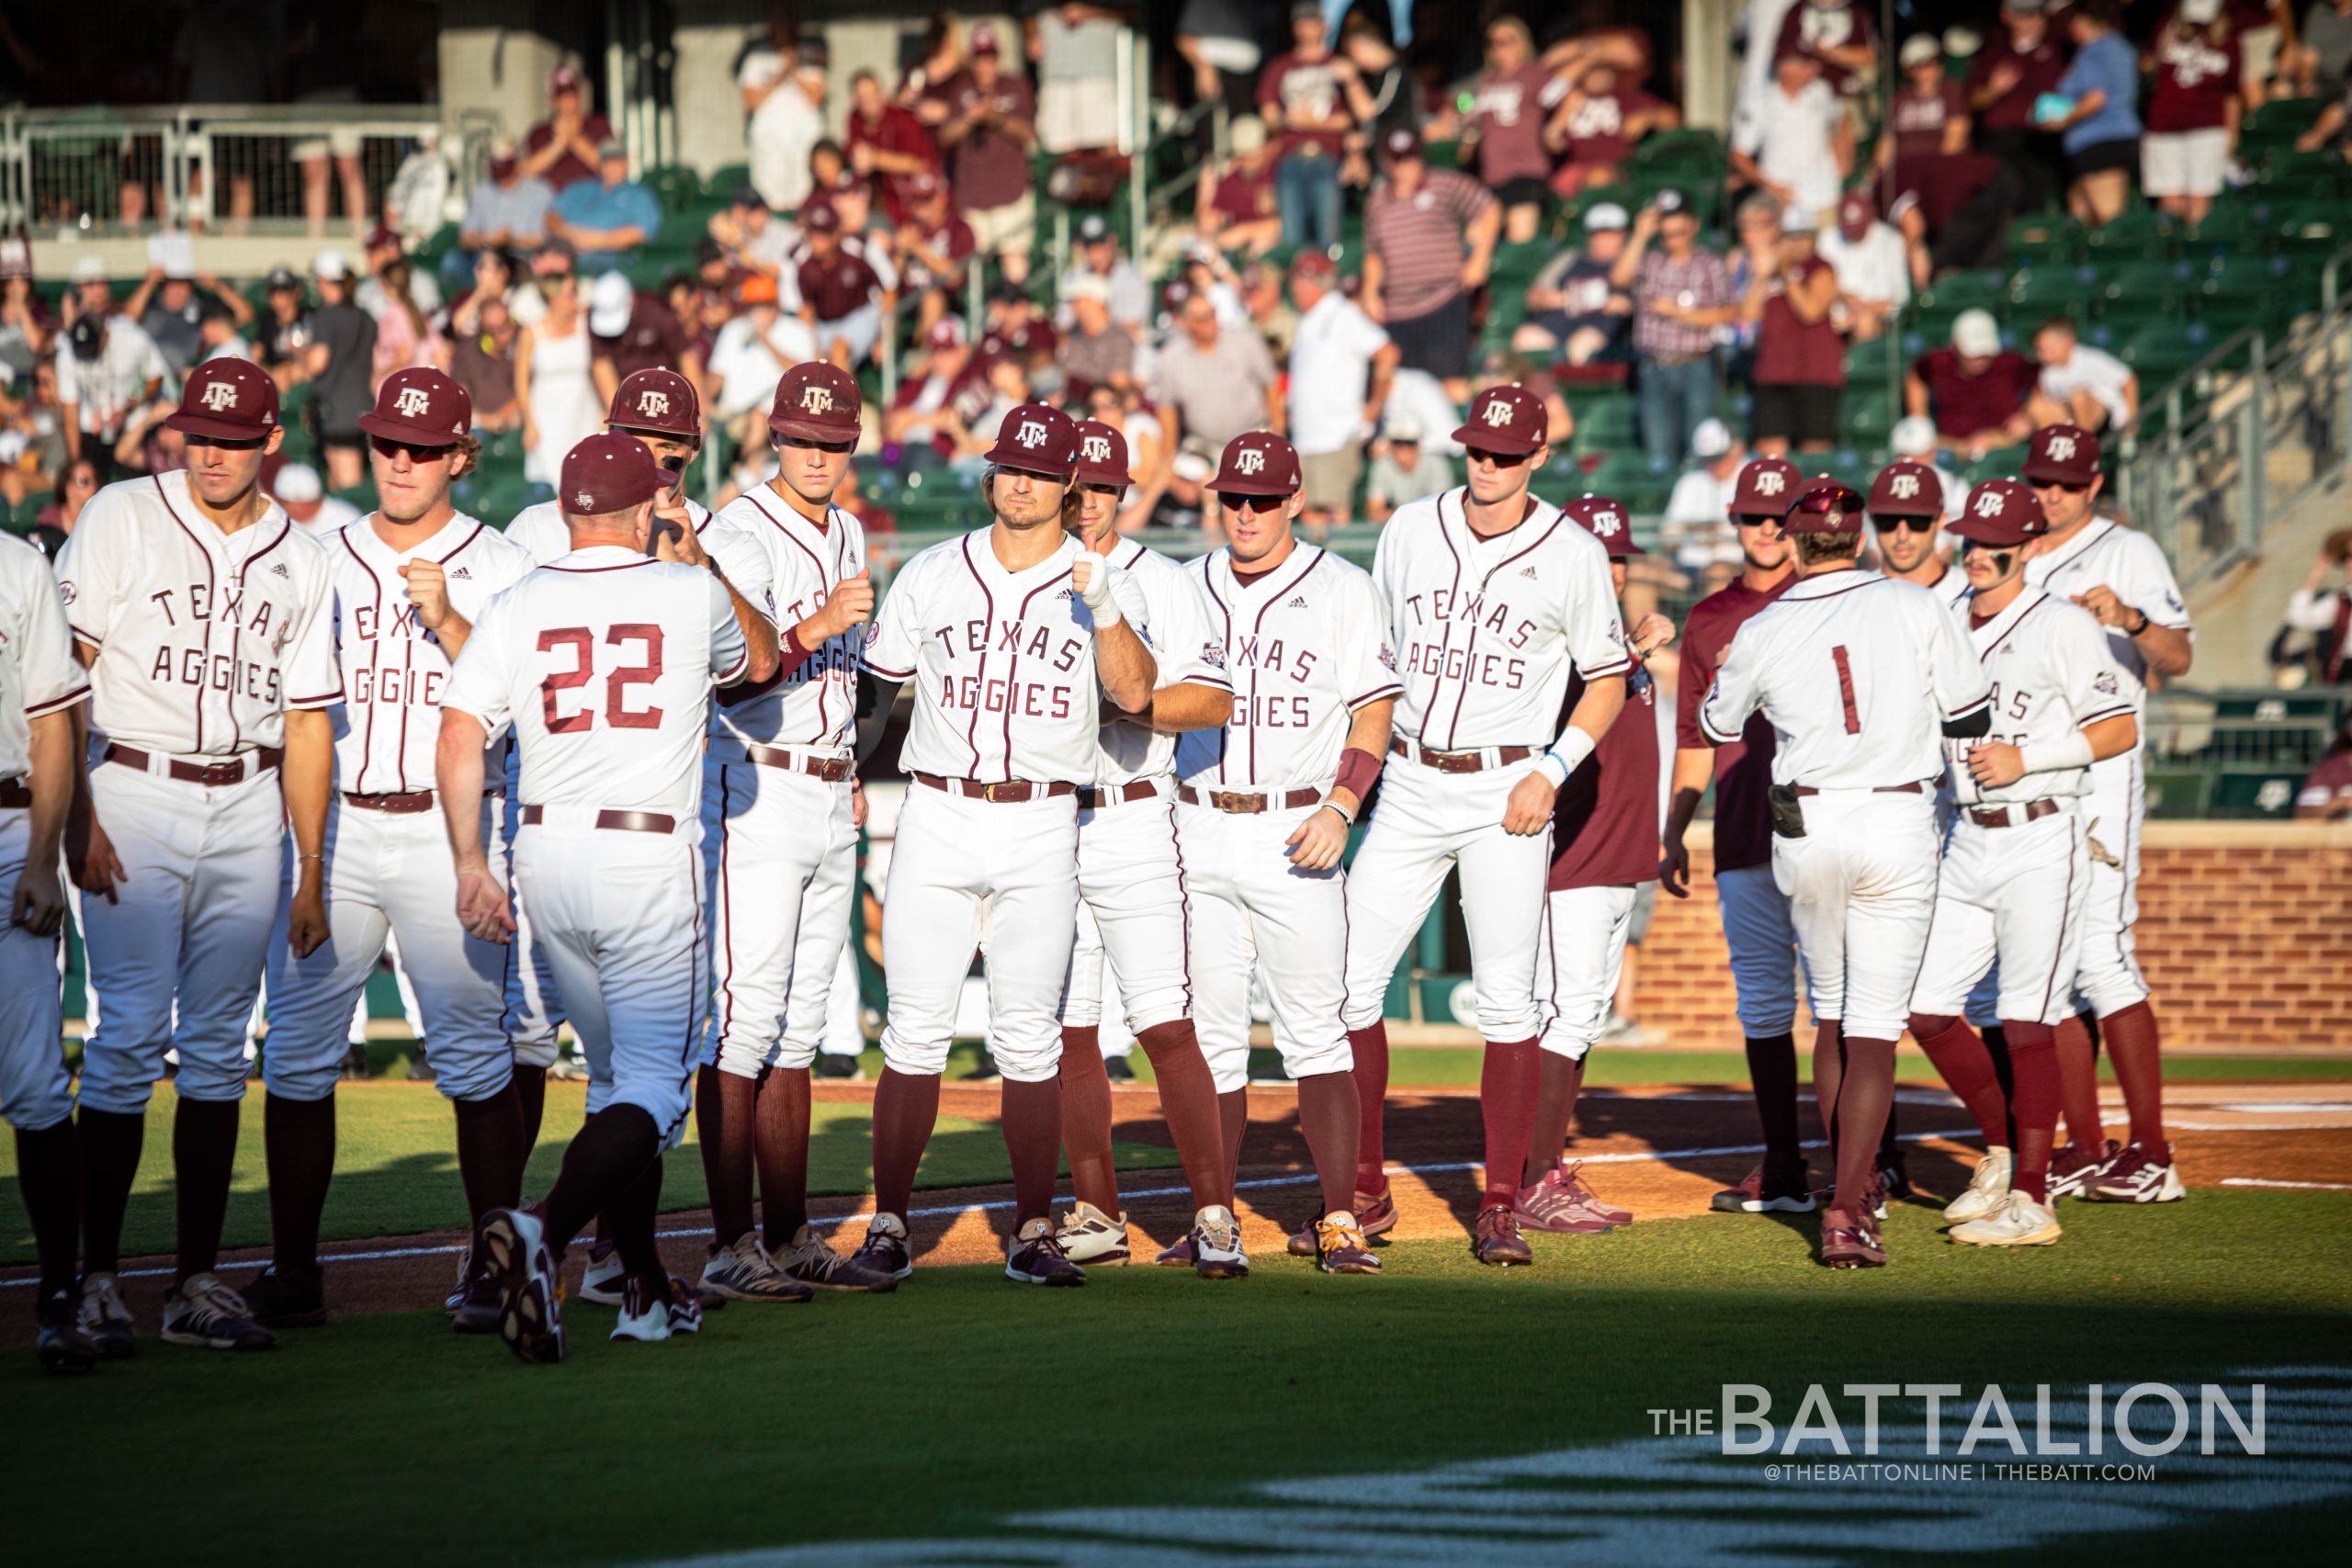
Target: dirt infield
(1661, 1152)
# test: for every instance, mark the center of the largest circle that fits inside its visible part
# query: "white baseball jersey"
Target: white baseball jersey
(2106, 552)
(1486, 629)
(393, 670)
(38, 672)
(603, 663)
(2051, 675)
(1952, 589)
(204, 639)
(788, 568)
(1184, 647)
(1854, 670)
(1002, 661)
(1306, 646)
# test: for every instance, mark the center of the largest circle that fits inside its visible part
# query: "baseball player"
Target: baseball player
(40, 684)
(781, 811)
(1132, 899)
(1856, 673)
(1264, 808)
(206, 620)
(1009, 633)
(1495, 600)
(2017, 870)
(603, 663)
(1604, 844)
(410, 579)
(2121, 578)
(1906, 508)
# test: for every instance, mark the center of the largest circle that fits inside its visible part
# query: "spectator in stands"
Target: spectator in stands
(632, 332)
(2321, 64)
(76, 483)
(390, 276)
(92, 290)
(108, 370)
(1681, 293)
(508, 210)
(169, 305)
(2018, 68)
(218, 331)
(887, 144)
(1573, 306)
(1341, 365)
(2326, 611)
(1502, 131)
(298, 489)
(285, 333)
(1597, 124)
(495, 277)
(564, 149)
(1800, 359)
(1217, 39)
(938, 404)
(1873, 266)
(1696, 527)
(606, 219)
(871, 514)
(1016, 331)
(1077, 49)
(1404, 470)
(1914, 440)
(752, 238)
(840, 186)
(1799, 146)
(553, 377)
(1184, 504)
(407, 337)
(1215, 383)
(1096, 353)
(1976, 390)
(1300, 94)
(2266, 32)
(932, 249)
(1096, 254)
(838, 292)
(2079, 384)
(2100, 126)
(989, 127)
(1429, 238)
(1235, 205)
(420, 190)
(340, 364)
(1917, 168)
(483, 362)
(41, 417)
(28, 326)
(1837, 34)
(783, 93)
(1380, 92)
(2194, 112)
(1755, 253)
(750, 353)
(2326, 794)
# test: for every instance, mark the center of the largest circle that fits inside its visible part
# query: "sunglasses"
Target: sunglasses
(1500, 459)
(802, 443)
(1892, 525)
(387, 449)
(2059, 485)
(241, 444)
(1252, 503)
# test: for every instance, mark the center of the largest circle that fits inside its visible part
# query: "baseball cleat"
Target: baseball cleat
(2018, 1221)
(514, 1256)
(1495, 1239)
(279, 1300)
(2075, 1169)
(883, 1250)
(1769, 1189)
(1987, 1190)
(1118, 1069)
(1215, 1245)
(654, 1310)
(1850, 1241)
(819, 1268)
(744, 1272)
(1562, 1204)
(102, 1319)
(63, 1347)
(1179, 1254)
(1894, 1177)
(204, 1312)
(455, 1301)
(2138, 1175)
(1340, 1246)
(1036, 1257)
(839, 1066)
(1375, 1215)
(1086, 1235)
(602, 1280)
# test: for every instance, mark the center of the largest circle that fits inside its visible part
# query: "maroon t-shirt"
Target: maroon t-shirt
(1918, 120)
(2039, 70)
(1032, 339)
(991, 167)
(1743, 769)
(1965, 405)
(1793, 353)
(969, 395)
(1304, 90)
(834, 289)
(897, 131)
(1604, 826)
(1245, 197)
(1509, 112)
(1815, 30)
(569, 169)
(652, 339)
(1596, 128)
(2195, 79)
(952, 241)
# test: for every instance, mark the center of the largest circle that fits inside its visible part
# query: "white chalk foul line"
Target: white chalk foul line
(2297, 1186)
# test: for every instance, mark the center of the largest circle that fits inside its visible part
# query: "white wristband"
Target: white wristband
(1566, 755)
(2053, 756)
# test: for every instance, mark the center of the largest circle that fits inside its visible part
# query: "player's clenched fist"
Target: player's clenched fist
(481, 907)
(1319, 840)
(677, 541)
(849, 606)
(428, 590)
(1528, 809)
(1094, 579)
(1996, 763)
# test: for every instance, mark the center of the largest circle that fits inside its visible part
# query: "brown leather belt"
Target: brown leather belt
(402, 803)
(232, 771)
(832, 770)
(618, 821)
(16, 794)
(2004, 817)
(1911, 788)
(1014, 792)
(1248, 805)
(1094, 799)
(1461, 761)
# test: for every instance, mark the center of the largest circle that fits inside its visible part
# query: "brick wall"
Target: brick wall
(2245, 934)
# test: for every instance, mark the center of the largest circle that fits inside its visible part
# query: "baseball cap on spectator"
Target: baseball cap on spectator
(563, 79)
(1975, 335)
(1102, 455)
(1604, 216)
(1856, 213)
(1605, 520)
(298, 484)
(503, 158)
(1797, 220)
(1008, 292)
(747, 196)
(945, 332)
(819, 217)
(2062, 454)
(1404, 427)
(609, 473)
(229, 399)
(87, 335)
(1037, 438)
(757, 289)
(815, 401)
(1711, 440)
(1400, 144)
(2200, 13)
(1247, 135)
(90, 269)
(1826, 506)
(609, 149)
(331, 265)
(1919, 48)
(1509, 419)
(983, 39)
(1907, 490)
(2001, 513)
(1312, 263)
(1766, 487)
(1093, 229)
(381, 238)
(924, 186)
(1259, 463)
(1669, 201)
(657, 400)
(1193, 463)
(1088, 286)
(1961, 42)
(419, 406)
(282, 277)
(1914, 436)
(610, 300)
(1307, 10)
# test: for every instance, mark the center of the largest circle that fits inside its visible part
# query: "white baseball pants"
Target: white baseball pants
(2017, 891)
(780, 850)
(36, 1091)
(534, 1010)
(1132, 916)
(1861, 888)
(2108, 979)
(1763, 950)
(1582, 952)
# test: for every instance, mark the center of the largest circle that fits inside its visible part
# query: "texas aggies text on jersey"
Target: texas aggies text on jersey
(787, 567)
(2047, 661)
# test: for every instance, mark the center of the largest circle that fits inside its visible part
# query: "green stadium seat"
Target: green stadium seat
(1626, 476)
(2312, 229)
(1605, 424)
(2046, 241)
(2060, 288)
(2142, 289)
(2162, 350)
(724, 180)
(2254, 792)
(2143, 231)
(1865, 421)
(2177, 793)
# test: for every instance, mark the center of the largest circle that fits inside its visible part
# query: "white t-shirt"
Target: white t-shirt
(2051, 675)
(1875, 268)
(2093, 370)
(1187, 651)
(783, 129)
(1790, 140)
(1306, 646)
(103, 390)
(1857, 672)
(38, 672)
(788, 568)
(1330, 367)
(749, 365)
(204, 639)
(1699, 497)
(2106, 552)
(333, 513)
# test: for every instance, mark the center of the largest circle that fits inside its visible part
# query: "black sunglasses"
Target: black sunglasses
(1889, 524)
(802, 443)
(1500, 459)
(2059, 485)
(388, 448)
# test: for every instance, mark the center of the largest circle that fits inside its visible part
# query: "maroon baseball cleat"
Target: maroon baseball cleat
(1375, 1216)
(1850, 1241)
(1179, 1254)
(1496, 1241)
(1562, 1204)
(1770, 1188)
(2139, 1175)
(2075, 1169)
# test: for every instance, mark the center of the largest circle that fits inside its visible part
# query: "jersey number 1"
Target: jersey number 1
(1846, 689)
(583, 642)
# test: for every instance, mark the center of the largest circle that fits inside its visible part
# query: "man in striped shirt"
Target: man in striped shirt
(1418, 275)
(1681, 293)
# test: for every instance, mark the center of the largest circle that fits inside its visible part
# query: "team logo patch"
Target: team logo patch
(412, 403)
(1388, 659)
(65, 591)
(1496, 414)
(2105, 682)
(583, 501)
(1990, 503)
(1097, 449)
(1031, 435)
(654, 405)
(461, 571)
(1904, 487)
(2061, 449)
(1768, 484)
(219, 395)
(1213, 655)
(1528, 571)
(1297, 601)
(279, 568)
(1248, 460)
(1605, 525)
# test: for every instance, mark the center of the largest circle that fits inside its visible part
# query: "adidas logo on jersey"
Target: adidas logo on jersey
(461, 571)
(279, 568)
(1527, 572)
(1297, 601)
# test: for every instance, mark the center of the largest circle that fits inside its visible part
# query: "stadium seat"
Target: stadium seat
(1629, 477)
(2144, 232)
(1605, 424)
(2059, 289)
(2046, 241)
(2142, 289)
(2254, 792)
(2162, 350)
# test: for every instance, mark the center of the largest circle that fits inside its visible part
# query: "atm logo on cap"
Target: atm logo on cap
(1606, 523)
(2061, 449)
(656, 405)
(1248, 460)
(1992, 503)
(1031, 435)
(219, 395)
(1097, 449)
(582, 500)
(813, 399)
(1903, 487)
(412, 403)
(1768, 484)
(1498, 414)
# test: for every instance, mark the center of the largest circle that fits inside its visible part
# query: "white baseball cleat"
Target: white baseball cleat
(2018, 1221)
(745, 1272)
(530, 1287)
(651, 1312)
(1089, 1235)
(1216, 1245)
(1987, 1190)
(601, 1281)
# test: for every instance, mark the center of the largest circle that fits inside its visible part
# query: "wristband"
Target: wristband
(2073, 751)
(1345, 814)
(1358, 770)
(2136, 631)
(1566, 757)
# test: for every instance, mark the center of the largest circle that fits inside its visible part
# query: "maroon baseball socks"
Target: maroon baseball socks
(1857, 1106)
(1966, 1065)
(1086, 1118)
(1330, 1111)
(1558, 1079)
(2078, 1084)
(2033, 1067)
(2130, 1037)
(1507, 1080)
(1369, 1045)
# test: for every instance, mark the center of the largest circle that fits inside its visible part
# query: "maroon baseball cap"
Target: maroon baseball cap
(1826, 506)
(983, 38)
(1311, 262)
(815, 401)
(1856, 213)
(1766, 487)
(818, 218)
(924, 185)
(2005, 513)
(1037, 438)
(1102, 455)
(945, 332)
(1258, 462)
(1907, 490)
(2062, 454)
(1508, 419)
(1400, 144)
(658, 401)
(422, 407)
(608, 473)
(1605, 520)
(563, 79)
(229, 399)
